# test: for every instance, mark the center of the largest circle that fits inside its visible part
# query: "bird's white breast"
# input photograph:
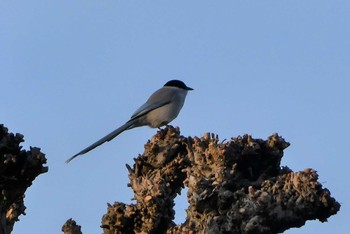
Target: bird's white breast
(165, 114)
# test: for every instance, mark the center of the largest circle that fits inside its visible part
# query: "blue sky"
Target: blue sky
(72, 71)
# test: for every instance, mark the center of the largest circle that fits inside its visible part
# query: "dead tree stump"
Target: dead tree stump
(237, 186)
(18, 169)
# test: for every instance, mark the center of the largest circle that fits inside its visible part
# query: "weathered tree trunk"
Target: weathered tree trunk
(71, 227)
(18, 169)
(236, 186)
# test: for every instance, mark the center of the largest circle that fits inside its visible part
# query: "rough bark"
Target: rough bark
(71, 227)
(18, 169)
(236, 186)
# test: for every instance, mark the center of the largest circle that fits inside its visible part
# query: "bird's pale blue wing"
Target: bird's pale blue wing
(158, 99)
(147, 107)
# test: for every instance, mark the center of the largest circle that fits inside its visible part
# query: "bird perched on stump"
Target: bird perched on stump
(161, 108)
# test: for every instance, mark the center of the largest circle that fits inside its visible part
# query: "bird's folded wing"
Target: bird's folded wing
(147, 107)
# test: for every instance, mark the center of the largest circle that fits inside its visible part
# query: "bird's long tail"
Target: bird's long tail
(110, 136)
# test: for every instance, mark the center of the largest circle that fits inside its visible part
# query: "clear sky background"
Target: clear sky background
(72, 71)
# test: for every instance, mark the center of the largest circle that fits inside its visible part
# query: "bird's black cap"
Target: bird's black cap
(178, 84)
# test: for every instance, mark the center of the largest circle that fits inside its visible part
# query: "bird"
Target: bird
(161, 108)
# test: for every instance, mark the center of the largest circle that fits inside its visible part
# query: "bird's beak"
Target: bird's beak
(188, 88)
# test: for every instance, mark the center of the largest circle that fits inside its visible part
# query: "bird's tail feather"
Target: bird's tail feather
(110, 136)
